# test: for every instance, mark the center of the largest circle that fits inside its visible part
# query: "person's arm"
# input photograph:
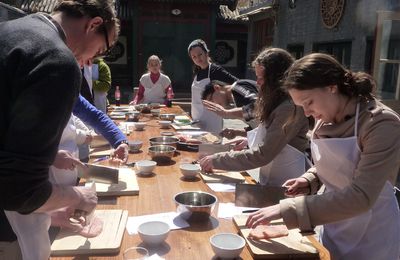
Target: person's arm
(379, 163)
(223, 112)
(139, 95)
(103, 83)
(276, 139)
(101, 123)
(221, 74)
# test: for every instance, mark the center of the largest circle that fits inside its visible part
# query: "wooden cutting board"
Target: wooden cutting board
(292, 246)
(126, 186)
(219, 176)
(68, 243)
(96, 153)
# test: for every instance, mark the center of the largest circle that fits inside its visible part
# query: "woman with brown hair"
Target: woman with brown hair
(356, 150)
(276, 148)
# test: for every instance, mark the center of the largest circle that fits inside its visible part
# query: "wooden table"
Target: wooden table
(156, 196)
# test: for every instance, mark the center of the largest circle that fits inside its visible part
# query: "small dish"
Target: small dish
(164, 123)
(167, 133)
(153, 232)
(139, 126)
(145, 167)
(227, 245)
(189, 170)
(134, 146)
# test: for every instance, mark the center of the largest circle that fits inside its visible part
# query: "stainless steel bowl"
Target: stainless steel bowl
(164, 140)
(195, 205)
(169, 117)
(132, 116)
(161, 153)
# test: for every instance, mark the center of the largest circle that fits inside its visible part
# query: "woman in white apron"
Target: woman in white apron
(205, 71)
(154, 85)
(356, 150)
(276, 148)
(32, 229)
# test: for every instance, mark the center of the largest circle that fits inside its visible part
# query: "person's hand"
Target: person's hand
(297, 186)
(206, 163)
(87, 199)
(216, 108)
(89, 139)
(263, 216)
(121, 153)
(231, 133)
(132, 103)
(240, 144)
(65, 160)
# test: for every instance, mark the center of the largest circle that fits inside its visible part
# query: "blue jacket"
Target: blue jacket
(101, 123)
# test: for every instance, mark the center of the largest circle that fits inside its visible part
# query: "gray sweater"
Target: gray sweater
(39, 82)
(277, 137)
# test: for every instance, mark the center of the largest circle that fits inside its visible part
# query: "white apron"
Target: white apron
(155, 93)
(99, 97)
(209, 121)
(374, 234)
(32, 229)
(288, 164)
(100, 100)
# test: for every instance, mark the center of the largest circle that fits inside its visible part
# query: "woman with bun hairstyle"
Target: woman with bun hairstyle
(355, 146)
(205, 71)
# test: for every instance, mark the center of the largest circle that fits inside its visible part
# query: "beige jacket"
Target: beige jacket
(277, 137)
(379, 142)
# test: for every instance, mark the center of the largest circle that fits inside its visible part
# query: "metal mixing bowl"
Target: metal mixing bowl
(161, 153)
(164, 140)
(195, 205)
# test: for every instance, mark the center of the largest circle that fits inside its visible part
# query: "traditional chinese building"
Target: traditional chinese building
(165, 28)
(349, 30)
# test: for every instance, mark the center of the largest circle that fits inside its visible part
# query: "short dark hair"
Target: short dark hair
(91, 8)
(209, 88)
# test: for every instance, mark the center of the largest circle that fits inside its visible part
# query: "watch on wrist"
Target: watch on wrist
(123, 142)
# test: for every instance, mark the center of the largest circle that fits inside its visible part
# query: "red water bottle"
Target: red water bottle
(117, 96)
(170, 96)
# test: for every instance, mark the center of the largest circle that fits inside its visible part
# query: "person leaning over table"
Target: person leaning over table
(40, 83)
(218, 96)
(64, 172)
(277, 145)
(204, 72)
(356, 150)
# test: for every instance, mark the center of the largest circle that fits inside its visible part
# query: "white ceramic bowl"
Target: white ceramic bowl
(153, 232)
(189, 170)
(140, 125)
(145, 167)
(135, 146)
(155, 112)
(164, 123)
(227, 245)
(169, 117)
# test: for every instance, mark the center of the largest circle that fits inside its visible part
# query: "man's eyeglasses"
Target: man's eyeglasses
(108, 51)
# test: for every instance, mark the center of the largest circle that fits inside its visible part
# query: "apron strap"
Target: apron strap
(356, 119)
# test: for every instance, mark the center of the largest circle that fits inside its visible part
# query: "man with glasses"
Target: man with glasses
(39, 81)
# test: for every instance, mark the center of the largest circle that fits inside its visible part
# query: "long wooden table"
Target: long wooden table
(156, 196)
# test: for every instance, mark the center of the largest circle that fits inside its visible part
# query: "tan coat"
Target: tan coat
(379, 142)
(276, 139)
